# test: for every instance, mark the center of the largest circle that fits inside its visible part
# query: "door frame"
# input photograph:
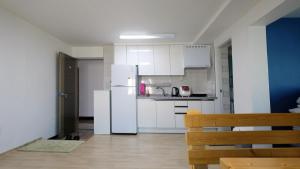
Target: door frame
(60, 89)
(219, 72)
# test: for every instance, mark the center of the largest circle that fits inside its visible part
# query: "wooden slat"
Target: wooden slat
(243, 137)
(259, 163)
(265, 167)
(213, 156)
(225, 120)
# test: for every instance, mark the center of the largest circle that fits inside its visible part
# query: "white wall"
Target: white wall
(249, 52)
(250, 70)
(108, 54)
(28, 82)
(91, 78)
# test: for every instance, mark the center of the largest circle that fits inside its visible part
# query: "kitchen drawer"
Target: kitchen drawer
(180, 109)
(180, 103)
(179, 121)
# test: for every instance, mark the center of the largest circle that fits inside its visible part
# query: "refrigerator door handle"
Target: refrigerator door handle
(119, 86)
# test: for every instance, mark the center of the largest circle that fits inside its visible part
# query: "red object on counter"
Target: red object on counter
(142, 89)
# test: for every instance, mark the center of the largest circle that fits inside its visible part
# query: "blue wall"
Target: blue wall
(283, 42)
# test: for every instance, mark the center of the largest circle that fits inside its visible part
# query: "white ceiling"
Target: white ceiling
(97, 22)
(231, 13)
(295, 14)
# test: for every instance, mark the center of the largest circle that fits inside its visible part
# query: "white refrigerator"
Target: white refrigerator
(123, 99)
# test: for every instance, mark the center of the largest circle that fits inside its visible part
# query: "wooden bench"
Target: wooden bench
(260, 163)
(201, 153)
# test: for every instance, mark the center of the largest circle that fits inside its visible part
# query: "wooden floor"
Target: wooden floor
(144, 151)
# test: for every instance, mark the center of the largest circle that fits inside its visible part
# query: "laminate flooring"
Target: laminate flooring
(142, 151)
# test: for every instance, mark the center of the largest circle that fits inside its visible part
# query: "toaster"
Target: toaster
(185, 91)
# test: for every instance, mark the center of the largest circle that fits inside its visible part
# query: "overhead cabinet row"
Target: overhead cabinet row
(152, 60)
(155, 60)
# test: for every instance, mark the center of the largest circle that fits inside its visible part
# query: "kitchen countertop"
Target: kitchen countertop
(168, 97)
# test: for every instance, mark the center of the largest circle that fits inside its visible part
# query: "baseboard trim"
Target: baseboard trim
(5, 152)
(53, 138)
(161, 130)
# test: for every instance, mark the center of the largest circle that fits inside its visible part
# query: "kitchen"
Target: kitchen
(133, 68)
(153, 85)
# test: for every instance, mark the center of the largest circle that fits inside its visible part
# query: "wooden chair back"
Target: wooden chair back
(224, 143)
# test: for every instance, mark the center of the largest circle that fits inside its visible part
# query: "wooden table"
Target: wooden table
(260, 163)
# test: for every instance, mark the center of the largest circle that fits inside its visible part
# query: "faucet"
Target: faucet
(163, 90)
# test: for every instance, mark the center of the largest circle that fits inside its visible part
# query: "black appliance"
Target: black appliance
(198, 95)
(175, 91)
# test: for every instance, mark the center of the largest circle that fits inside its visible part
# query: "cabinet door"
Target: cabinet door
(179, 121)
(146, 113)
(165, 114)
(145, 60)
(208, 107)
(195, 105)
(120, 55)
(162, 60)
(197, 56)
(132, 55)
(176, 60)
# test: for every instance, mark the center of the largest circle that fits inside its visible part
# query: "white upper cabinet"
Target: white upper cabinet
(162, 60)
(176, 60)
(120, 55)
(132, 55)
(146, 60)
(197, 56)
(87, 52)
(152, 60)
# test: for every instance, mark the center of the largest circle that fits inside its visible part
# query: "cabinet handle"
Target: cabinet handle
(182, 106)
(180, 113)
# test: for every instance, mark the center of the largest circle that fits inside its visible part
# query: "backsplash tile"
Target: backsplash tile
(197, 79)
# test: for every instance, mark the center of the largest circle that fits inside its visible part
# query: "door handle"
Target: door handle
(62, 94)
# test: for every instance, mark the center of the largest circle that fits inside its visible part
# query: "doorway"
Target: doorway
(77, 81)
(91, 78)
(67, 97)
(227, 78)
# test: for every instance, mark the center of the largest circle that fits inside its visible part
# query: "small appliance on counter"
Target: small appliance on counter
(175, 92)
(185, 91)
(198, 95)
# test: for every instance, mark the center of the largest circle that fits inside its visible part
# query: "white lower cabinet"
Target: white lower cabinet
(195, 105)
(180, 108)
(179, 121)
(205, 107)
(146, 113)
(208, 107)
(165, 114)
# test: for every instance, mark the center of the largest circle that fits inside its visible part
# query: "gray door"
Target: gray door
(67, 95)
